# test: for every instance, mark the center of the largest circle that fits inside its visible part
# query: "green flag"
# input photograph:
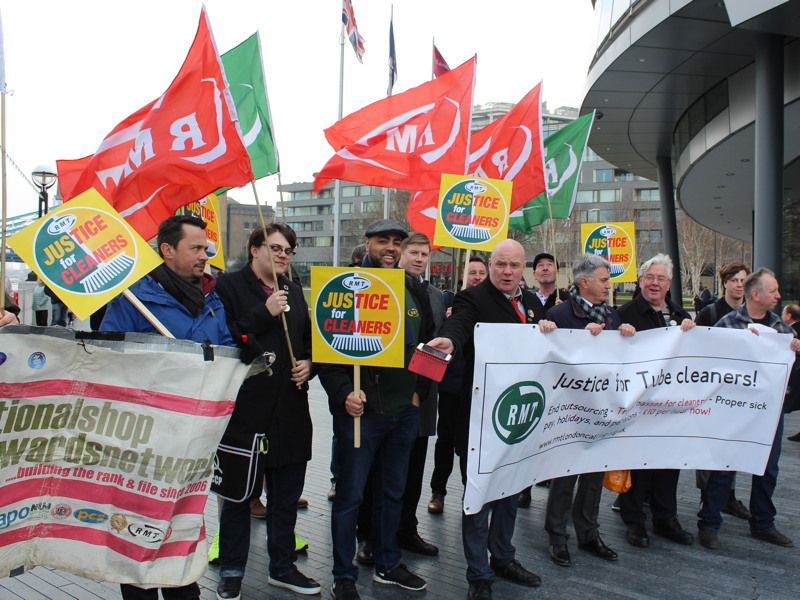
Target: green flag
(564, 154)
(249, 91)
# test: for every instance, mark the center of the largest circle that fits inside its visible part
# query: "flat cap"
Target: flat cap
(385, 226)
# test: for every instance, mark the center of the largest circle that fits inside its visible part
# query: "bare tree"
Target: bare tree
(696, 245)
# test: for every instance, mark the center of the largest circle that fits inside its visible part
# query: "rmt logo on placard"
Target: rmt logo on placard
(518, 410)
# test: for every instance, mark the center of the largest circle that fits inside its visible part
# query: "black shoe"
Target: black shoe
(415, 543)
(229, 588)
(794, 438)
(672, 530)
(708, 539)
(773, 536)
(297, 582)
(401, 577)
(480, 590)
(344, 589)
(524, 500)
(559, 554)
(515, 572)
(735, 507)
(615, 504)
(599, 549)
(364, 553)
(636, 534)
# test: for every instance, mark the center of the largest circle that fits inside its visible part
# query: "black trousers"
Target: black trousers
(660, 485)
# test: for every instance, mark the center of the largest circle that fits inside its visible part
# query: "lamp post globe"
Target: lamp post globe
(44, 176)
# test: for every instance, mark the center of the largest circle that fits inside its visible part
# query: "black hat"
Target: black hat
(541, 256)
(384, 226)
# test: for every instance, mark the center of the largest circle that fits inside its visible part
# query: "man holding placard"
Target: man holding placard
(388, 408)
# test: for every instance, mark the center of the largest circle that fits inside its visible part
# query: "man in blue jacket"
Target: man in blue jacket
(181, 295)
(586, 308)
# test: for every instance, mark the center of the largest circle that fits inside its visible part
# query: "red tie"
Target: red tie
(517, 310)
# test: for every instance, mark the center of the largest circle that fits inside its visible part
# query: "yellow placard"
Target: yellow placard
(616, 242)
(472, 212)
(208, 210)
(85, 252)
(358, 316)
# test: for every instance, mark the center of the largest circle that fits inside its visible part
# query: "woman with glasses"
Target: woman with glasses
(257, 299)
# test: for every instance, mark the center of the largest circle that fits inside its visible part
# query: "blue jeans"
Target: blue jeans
(761, 507)
(387, 442)
(59, 316)
(284, 486)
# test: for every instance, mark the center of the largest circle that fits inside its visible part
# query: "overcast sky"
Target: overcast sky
(77, 68)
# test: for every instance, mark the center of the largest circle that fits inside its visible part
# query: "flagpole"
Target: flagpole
(337, 200)
(274, 274)
(552, 229)
(386, 191)
(3, 179)
(433, 57)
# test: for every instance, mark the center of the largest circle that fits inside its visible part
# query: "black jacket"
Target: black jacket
(641, 315)
(482, 303)
(338, 379)
(712, 313)
(270, 404)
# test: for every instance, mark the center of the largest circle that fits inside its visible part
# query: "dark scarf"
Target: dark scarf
(188, 294)
(595, 312)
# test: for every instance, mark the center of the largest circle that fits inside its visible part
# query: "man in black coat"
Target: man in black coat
(498, 299)
(255, 298)
(651, 309)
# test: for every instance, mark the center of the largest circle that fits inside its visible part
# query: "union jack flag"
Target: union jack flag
(349, 20)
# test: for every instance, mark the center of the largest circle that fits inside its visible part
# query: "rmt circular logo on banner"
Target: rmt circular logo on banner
(358, 314)
(518, 411)
(469, 211)
(85, 251)
(612, 243)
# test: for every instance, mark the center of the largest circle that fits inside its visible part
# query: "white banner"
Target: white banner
(106, 452)
(550, 405)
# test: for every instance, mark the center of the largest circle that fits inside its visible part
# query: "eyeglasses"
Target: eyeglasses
(276, 249)
(651, 278)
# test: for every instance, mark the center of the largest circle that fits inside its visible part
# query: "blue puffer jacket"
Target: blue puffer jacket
(210, 324)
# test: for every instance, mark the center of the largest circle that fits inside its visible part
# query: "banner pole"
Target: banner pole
(466, 268)
(283, 212)
(274, 274)
(357, 420)
(553, 236)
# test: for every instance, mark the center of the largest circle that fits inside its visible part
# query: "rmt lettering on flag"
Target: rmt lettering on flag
(176, 150)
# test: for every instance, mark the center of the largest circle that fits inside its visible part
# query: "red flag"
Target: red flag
(177, 149)
(509, 148)
(439, 63)
(349, 20)
(405, 141)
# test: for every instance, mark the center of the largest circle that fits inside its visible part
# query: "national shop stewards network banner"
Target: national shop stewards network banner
(106, 453)
(567, 402)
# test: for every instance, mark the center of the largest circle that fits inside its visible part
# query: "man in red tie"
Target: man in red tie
(498, 299)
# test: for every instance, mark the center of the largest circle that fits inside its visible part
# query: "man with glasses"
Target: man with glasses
(732, 277)
(651, 309)
(257, 298)
(498, 299)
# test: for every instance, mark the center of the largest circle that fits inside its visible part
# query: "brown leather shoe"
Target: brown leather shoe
(257, 510)
(302, 503)
(436, 503)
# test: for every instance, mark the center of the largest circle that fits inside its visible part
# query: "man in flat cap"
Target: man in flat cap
(388, 403)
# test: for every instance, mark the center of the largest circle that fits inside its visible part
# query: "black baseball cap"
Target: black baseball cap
(542, 256)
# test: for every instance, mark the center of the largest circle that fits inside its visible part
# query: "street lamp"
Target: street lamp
(44, 176)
